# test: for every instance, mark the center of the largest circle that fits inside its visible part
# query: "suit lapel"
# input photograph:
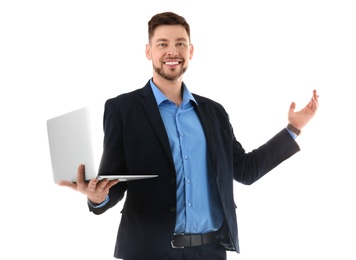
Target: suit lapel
(150, 106)
(202, 113)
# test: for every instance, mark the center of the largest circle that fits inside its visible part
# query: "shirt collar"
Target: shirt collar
(160, 97)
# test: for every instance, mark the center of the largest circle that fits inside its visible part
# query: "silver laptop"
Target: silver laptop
(70, 143)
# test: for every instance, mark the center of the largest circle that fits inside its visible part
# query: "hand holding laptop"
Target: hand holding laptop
(96, 190)
(71, 144)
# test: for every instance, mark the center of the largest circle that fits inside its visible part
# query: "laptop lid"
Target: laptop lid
(71, 144)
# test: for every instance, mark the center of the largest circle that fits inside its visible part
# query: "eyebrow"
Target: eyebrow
(177, 40)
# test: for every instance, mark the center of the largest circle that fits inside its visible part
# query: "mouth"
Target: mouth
(172, 63)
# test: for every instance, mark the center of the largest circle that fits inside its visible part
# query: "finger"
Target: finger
(315, 96)
(112, 183)
(80, 174)
(92, 184)
(314, 101)
(102, 185)
(68, 184)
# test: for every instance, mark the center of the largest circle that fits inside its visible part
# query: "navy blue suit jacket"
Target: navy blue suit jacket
(135, 142)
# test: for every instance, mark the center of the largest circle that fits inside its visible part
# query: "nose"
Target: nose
(172, 51)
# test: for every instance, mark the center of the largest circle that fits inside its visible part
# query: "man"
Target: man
(188, 211)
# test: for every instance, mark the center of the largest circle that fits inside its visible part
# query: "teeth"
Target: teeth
(172, 62)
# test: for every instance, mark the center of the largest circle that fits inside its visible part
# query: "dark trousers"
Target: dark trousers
(206, 252)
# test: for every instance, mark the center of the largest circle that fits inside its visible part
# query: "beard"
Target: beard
(167, 76)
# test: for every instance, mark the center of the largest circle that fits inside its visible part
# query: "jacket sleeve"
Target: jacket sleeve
(112, 160)
(249, 167)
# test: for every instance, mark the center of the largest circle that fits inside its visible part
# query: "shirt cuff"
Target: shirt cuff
(99, 205)
(292, 134)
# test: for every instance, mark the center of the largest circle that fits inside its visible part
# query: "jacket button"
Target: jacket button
(173, 180)
(172, 209)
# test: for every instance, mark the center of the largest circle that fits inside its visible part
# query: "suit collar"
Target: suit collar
(160, 97)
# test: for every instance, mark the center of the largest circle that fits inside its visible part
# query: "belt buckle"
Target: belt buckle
(172, 242)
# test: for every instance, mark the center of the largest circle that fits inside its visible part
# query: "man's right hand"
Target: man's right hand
(95, 190)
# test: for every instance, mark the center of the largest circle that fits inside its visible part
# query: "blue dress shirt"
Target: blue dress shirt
(199, 208)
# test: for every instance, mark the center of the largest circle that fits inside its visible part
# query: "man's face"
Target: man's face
(170, 51)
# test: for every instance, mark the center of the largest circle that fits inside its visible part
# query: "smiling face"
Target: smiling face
(170, 50)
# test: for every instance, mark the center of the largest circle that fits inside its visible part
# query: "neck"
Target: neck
(171, 89)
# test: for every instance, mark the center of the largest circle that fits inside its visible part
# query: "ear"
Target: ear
(191, 51)
(148, 51)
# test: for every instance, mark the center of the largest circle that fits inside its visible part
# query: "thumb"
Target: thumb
(292, 107)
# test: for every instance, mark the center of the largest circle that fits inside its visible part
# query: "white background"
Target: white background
(255, 57)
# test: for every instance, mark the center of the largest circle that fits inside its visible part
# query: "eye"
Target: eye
(162, 45)
(181, 44)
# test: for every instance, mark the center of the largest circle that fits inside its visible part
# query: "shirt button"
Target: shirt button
(186, 157)
(188, 181)
(189, 204)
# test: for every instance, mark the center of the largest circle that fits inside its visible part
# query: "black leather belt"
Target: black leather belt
(190, 240)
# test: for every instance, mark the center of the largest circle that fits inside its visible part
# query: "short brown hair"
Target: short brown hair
(166, 18)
